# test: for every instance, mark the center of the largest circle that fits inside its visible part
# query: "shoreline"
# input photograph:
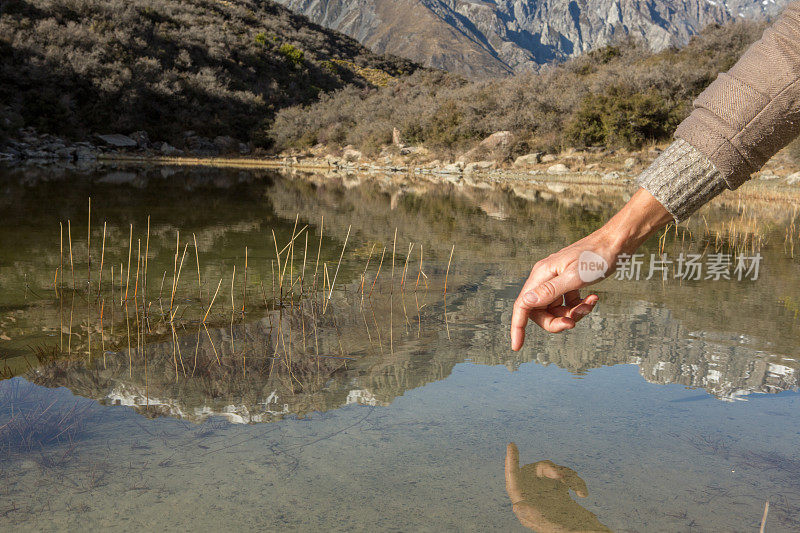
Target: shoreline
(542, 180)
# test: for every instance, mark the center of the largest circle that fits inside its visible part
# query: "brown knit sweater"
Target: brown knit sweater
(741, 120)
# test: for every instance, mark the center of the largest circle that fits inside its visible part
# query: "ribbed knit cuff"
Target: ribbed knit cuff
(682, 179)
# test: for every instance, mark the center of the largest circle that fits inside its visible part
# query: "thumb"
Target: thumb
(550, 290)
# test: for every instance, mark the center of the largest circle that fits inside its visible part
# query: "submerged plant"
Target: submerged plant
(31, 422)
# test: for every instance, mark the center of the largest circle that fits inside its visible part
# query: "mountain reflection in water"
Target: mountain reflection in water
(358, 417)
(641, 323)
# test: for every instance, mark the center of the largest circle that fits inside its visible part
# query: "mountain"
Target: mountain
(165, 66)
(489, 38)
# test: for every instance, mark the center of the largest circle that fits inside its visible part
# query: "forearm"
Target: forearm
(642, 216)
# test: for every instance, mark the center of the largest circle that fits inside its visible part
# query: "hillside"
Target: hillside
(619, 97)
(481, 39)
(217, 67)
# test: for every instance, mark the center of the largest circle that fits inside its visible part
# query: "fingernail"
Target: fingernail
(530, 298)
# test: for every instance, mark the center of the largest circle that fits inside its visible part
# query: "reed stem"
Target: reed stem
(128, 273)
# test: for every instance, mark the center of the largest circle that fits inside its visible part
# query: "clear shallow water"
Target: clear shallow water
(407, 426)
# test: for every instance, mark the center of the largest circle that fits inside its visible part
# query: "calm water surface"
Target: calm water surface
(379, 404)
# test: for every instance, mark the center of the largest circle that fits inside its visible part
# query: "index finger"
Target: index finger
(512, 474)
(546, 292)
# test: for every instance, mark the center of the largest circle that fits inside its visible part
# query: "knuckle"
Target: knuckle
(547, 290)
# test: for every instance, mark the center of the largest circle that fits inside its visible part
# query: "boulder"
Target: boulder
(558, 168)
(85, 153)
(117, 140)
(792, 179)
(169, 150)
(414, 150)
(527, 160)
(629, 163)
(141, 139)
(351, 155)
(497, 139)
(548, 158)
(201, 146)
(67, 152)
(453, 168)
(478, 166)
(39, 154)
(226, 144)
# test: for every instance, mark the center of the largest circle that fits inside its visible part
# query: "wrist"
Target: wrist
(640, 218)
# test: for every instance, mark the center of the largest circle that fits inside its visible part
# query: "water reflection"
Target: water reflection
(540, 496)
(722, 349)
(381, 404)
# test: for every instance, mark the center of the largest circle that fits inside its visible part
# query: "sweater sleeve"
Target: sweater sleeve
(682, 179)
(749, 113)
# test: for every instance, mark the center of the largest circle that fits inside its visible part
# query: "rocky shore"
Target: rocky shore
(488, 159)
(30, 146)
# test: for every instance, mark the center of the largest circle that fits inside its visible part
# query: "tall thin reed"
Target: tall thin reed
(394, 250)
(128, 276)
(244, 287)
(364, 275)
(338, 265)
(71, 264)
(278, 259)
(212, 301)
(102, 259)
(146, 254)
(177, 277)
(378, 273)
(138, 263)
(199, 282)
(419, 273)
(319, 250)
(89, 249)
(175, 267)
(61, 250)
(453, 249)
(405, 266)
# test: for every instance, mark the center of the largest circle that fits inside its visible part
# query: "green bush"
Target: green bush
(292, 55)
(621, 116)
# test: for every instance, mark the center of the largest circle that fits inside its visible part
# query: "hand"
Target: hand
(540, 495)
(551, 297)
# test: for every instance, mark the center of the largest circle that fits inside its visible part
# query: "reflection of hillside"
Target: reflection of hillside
(374, 357)
(368, 357)
(495, 231)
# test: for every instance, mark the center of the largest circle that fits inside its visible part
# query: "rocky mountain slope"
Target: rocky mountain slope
(481, 38)
(211, 66)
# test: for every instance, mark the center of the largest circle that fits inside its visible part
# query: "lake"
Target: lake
(245, 349)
